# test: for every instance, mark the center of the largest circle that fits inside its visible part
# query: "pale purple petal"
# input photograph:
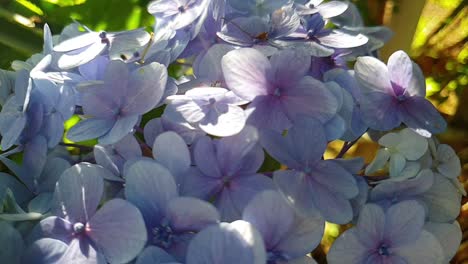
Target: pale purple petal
(426, 249)
(191, 215)
(419, 113)
(400, 69)
(373, 74)
(148, 85)
(170, 150)
(404, 222)
(269, 212)
(305, 235)
(118, 230)
(371, 225)
(205, 157)
(150, 187)
(268, 112)
(247, 73)
(380, 111)
(121, 128)
(309, 97)
(348, 249)
(78, 192)
(45, 250)
(289, 66)
(225, 243)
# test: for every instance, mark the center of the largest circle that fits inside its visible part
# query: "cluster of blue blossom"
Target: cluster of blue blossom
(185, 183)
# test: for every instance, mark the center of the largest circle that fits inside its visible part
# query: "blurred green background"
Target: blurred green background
(433, 32)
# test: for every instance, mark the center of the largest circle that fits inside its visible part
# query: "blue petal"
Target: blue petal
(78, 192)
(121, 238)
(225, 243)
(150, 187)
(44, 251)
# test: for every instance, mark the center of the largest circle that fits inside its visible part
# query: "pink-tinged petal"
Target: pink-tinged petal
(150, 187)
(289, 66)
(225, 243)
(118, 230)
(373, 74)
(419, 113)
(425, 249)
(268, 112)
(223, 124)
(371, 225)
(305, 235)
(400, 69)
(309, 97)
(247, 73)
(271, 215)
(404, 222)
(348, 249)
(190, 214)
(78, 192)
(380, 111)
(205, 157)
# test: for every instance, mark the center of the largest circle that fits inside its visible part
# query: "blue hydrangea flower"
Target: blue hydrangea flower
(278, 88)
(394, 94)
(115, 105)
(392, 236)
(171, 221)
(311, 184)
(257, 7)
(227, 172)
(83, 48)
(257, 32)
(92, 235)
(287, 236)
(227, 243)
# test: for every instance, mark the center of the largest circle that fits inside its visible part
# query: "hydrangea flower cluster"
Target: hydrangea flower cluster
(224, 164)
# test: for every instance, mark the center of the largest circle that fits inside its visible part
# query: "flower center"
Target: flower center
(181, 9)
(384, 250)
(78, 228)
(163, 235)
(103, 36)
(274, 256)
